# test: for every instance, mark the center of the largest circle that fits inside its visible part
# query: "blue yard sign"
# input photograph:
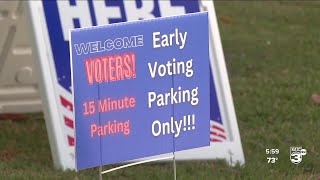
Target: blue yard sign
(61, 16)
(51, 22)
(140, 88)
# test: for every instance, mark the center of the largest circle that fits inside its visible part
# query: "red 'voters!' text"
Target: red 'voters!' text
(111, 68)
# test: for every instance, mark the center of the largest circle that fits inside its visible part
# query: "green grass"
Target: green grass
(272, 55)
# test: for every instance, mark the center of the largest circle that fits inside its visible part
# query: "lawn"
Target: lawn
(272, 55)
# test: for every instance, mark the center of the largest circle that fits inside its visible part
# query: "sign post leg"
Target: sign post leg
(100, 173)
(174, 167)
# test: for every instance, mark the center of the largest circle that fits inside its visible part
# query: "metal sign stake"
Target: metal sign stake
(135, 163)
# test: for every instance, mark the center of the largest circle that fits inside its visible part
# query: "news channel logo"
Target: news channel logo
(296, 154)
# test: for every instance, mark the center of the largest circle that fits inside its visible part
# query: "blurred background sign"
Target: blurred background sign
(44, 25)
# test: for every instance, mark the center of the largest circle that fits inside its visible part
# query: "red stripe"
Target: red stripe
(68, 122)
(216, 134)
(67, 104)
(216, 127)
(71, 140)
(215, 140)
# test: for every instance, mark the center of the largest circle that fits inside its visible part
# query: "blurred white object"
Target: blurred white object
(18, 81)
